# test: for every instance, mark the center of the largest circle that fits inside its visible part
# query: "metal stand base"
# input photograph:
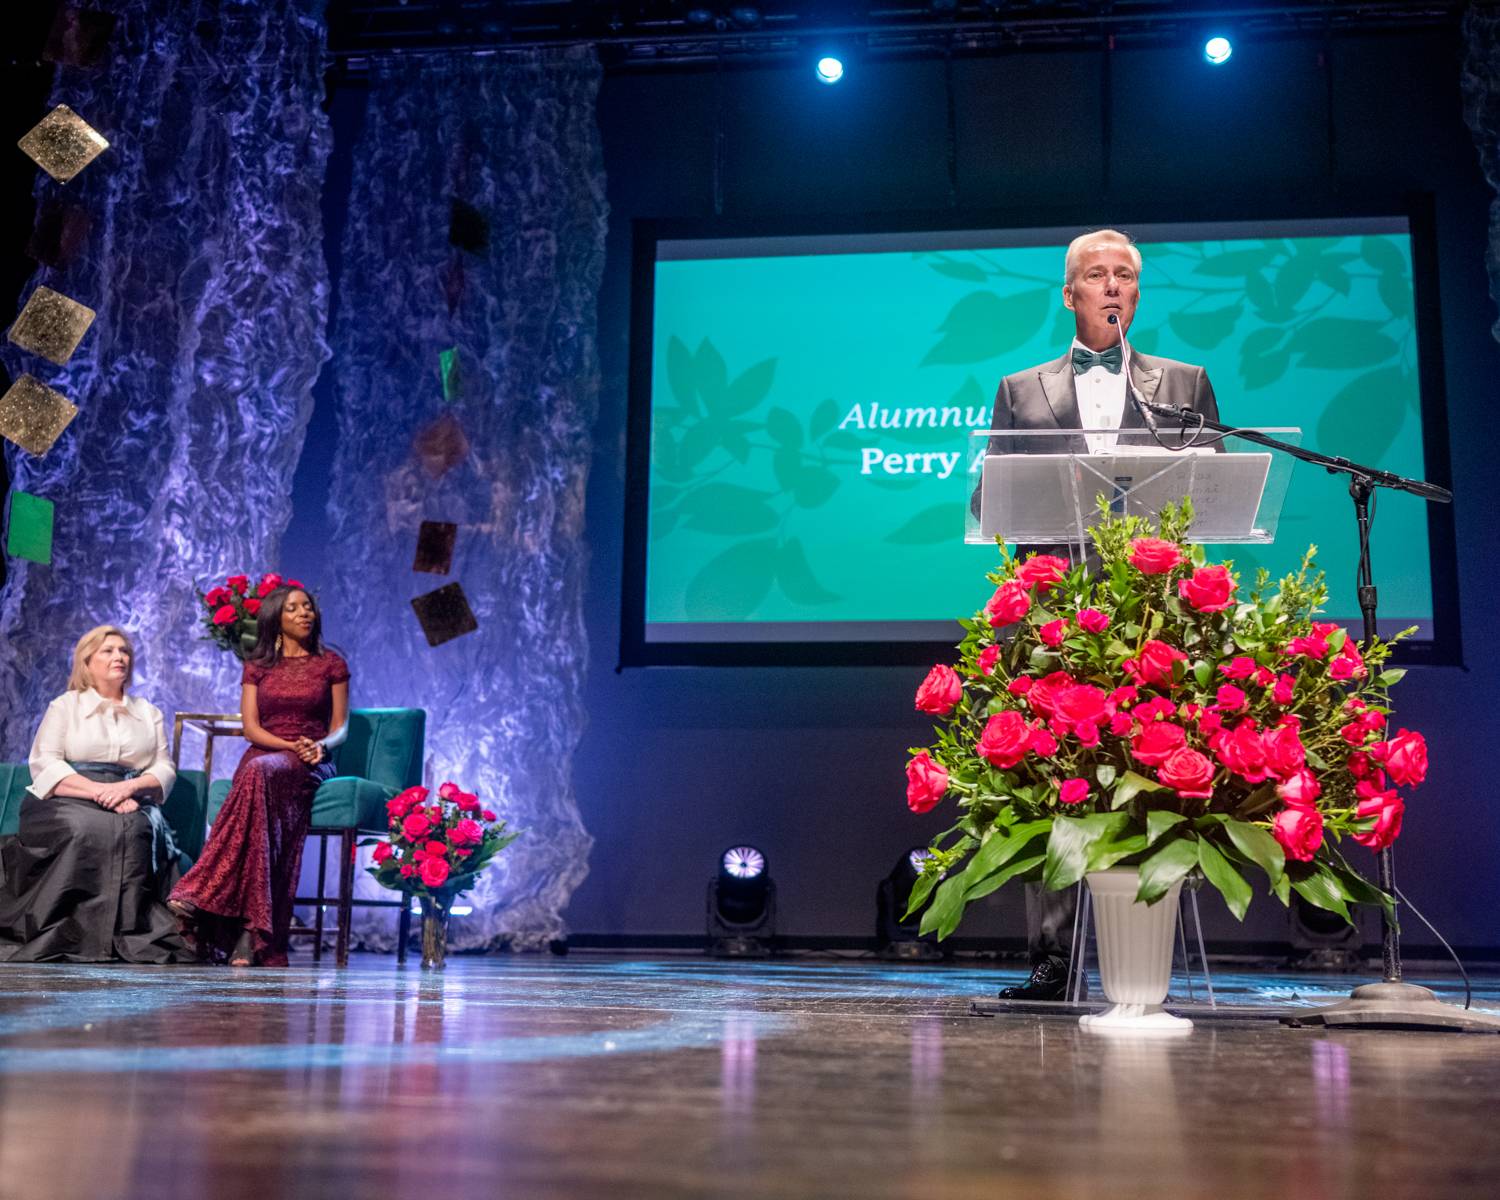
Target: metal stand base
(1396, 1006)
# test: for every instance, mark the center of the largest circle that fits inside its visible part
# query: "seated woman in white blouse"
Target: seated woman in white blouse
(87, 878)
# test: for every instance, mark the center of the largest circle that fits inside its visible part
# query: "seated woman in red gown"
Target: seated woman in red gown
(294, 702)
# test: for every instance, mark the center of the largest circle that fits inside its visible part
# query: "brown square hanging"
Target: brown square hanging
(445, 614)
(435, 547)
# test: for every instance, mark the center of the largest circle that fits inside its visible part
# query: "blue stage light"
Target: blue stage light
(829, 69)
(744, 862)
(1217, 50)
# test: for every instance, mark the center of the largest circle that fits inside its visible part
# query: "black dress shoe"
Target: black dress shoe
(1048, 981)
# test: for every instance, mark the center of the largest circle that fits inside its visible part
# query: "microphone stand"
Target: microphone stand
(1391, 1003)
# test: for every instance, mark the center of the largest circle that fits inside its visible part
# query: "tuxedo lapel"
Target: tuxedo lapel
(1057, 386)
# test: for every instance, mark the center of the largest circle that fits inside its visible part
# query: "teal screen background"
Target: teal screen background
(760, 512)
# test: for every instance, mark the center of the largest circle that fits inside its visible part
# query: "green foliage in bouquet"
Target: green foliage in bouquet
(1152, 714)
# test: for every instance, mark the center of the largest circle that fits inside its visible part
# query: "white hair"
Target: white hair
(1097, 237)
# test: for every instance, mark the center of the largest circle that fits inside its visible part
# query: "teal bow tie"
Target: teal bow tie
(1085, 360)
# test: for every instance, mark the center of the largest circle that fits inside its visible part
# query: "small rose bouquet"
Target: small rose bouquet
(437, 848)
(1153, 714)
(230, 610)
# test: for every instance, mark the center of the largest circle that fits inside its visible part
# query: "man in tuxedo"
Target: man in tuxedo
(1087, 389)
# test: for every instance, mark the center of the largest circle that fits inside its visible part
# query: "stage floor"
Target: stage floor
(600, 1076)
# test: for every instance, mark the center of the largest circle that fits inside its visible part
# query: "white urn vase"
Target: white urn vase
(1135, 954)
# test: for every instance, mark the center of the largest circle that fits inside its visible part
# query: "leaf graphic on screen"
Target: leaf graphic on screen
(784, 428)
(1205, 330)
(940, 523)
(727, 508)
(1333, 275)
(1294, 278)
(710, 375)
(749, 388)
(680, 375)
(1395, 293)
(662, 523)
(984, 325)
(1382, 254)
(1064, 325)
(1338, 343)
(815, 487)
(697, 444)
(968, 272)
(824, 418)
(1145, 340)
(1263, 359)
(795, 576)
(1365, 415)
(732, 584)
(1234, 263)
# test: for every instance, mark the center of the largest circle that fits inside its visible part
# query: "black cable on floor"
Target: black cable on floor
(1468, 987)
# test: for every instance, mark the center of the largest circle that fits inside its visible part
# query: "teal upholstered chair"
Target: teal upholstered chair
(382, 755)
(185, 809)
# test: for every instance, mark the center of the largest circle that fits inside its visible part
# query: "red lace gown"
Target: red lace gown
(249, 868)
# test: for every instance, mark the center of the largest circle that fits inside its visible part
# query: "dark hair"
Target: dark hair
(267, 652)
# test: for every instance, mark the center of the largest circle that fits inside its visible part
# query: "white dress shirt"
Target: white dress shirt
(85, 727)
(1101, 402)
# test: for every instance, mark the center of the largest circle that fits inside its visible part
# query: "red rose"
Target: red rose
(1211, 589)
(1314, 644)
(1158, 706)
(1041, 571)
(435, 872)
(407, 870)
(1153, 666)
(940, 691)
(1044, 692)
(1053, 632)
(1189, 773)
(488, 815)
(1043, 744)
(1005, 740)
(1359, 764)
(1081, 710)
(1282, 693)
(926, 782)
(1008, 605)
(1300, 789)
(294, 583)
(467, 802)
(1229, 699)
(1387, 809)
(383, 852)
(1073, 791)
(1283, 750)
(226, 615)
(1264, 677)
(1405, 757)
(1156, 742)
(415, 826)
(267, 585)
(1300, 832)
(217, 597)
(438, 849)
(1354, 733)
(1210, 726)
(1121, 724)
(238, 583)
(1124, 697)
(1020, 686)
(252, 607)
(1091, 620)
(1242, 752)
(466, 833)
(448, 791)
(1239, 667)
(1348, 663)
(1153, 556)
(988, 657)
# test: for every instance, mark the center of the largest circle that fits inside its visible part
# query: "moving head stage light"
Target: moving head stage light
(741, 905)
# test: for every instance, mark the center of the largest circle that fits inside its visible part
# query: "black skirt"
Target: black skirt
(83, 884)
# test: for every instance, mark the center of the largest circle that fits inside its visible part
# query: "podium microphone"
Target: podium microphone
(1140, 404)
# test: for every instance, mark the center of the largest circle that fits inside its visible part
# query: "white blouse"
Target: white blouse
(85, 727)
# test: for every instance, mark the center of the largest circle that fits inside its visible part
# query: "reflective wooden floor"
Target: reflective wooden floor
(601, 1077)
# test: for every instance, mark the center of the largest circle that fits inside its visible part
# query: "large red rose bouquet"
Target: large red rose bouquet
(1157, 714)
(437, 846)
(230, 609)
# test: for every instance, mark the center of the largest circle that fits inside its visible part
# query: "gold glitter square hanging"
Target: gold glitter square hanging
(33, 416)
(444, 614)
(51, 325)
(62, 143)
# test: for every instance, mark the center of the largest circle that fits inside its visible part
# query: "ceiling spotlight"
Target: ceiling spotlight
(1217, 50)
(829, 69)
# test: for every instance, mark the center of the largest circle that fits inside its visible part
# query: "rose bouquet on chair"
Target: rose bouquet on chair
(436, 850)
(1156, 714)
(230, 610)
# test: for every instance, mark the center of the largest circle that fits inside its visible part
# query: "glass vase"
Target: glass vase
(435, 932)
